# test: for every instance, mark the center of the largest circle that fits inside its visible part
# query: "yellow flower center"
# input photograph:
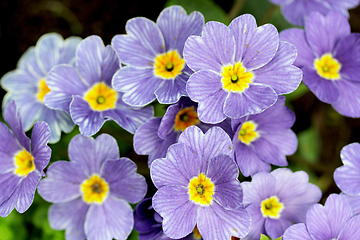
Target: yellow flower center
(327, 67)
(201, 190)
(235, 77)
(24, 163)
(101, 97)
(43, 89)
(248, 133)
(272, 207)
(184, 118)
(168, 65)
(94, 190)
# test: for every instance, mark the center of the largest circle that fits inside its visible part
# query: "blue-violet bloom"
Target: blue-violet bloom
(276, 200)
(264, 138)
(198, 186)
(91, 192)
(334, 220)
(86, 93)
(27, 86)
(239, 70)
(296, 11)
(155, 136)
(22, 161)
(152, 53)
(329, 56)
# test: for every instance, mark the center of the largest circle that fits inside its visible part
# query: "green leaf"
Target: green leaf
(263, 237)
(309, 144)
(210, 10)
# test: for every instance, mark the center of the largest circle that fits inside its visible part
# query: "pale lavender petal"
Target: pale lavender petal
(9, 181)
(172, 202)
(28, 63)
(23, 195)
(247, 160)
(326, 222)
(62, 183)
(141, 44)
(296, 11)
(276, 227)
(257, 222)
(129, 118)
(12, 117)
(19, 80)
(180, 165)
(91, 153)
(269, 152)
(210, 109)
(147, 142)
(353, 201)
(347, 52)
(69, 216)
(47, 51)
(296, 36)
(138, 84)
(214, 142)
(6, 161)
(243, 28)
(40, 150)
(88, 120)
(351, 229)
(323, 32)
(285, 141)
(203, 84)
(262, 186)
(279, 73)
(347, 177)
(113, 219)
(177, 26)
(109, 64)
(253, 100)
(167, 122)
(123, 180)
(68, 50)
(261, 48)
(63, 81)
(297, 232)
(171, 90)
(228, 192)
(216, 222)
(349, 101)
(326, 90)
(8, 147)
(214, 49)
(89, 59)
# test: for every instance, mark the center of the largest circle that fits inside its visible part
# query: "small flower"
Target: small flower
(27, 86)
(22, 162)
(329, 56)
(152, 52)
(92, 192)
(265, 138)
(334, 220)
(86, 93)
(198, 186)
(276, 200)
(239, 70)
(297, 11)
(155, 136)
(149, 223)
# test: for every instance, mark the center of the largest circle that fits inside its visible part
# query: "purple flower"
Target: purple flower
(297, 11)
(86, 91)
(155, 136)
(239, 70)
(334, 220)
(198, 186)
(329, 56)
(153, 55)
(26, 84)
(149, 223)
(22, 161)
(91, 192)
(278, 199)
(265, 138)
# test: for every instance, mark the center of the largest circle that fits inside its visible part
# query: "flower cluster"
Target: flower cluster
(227, 115)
